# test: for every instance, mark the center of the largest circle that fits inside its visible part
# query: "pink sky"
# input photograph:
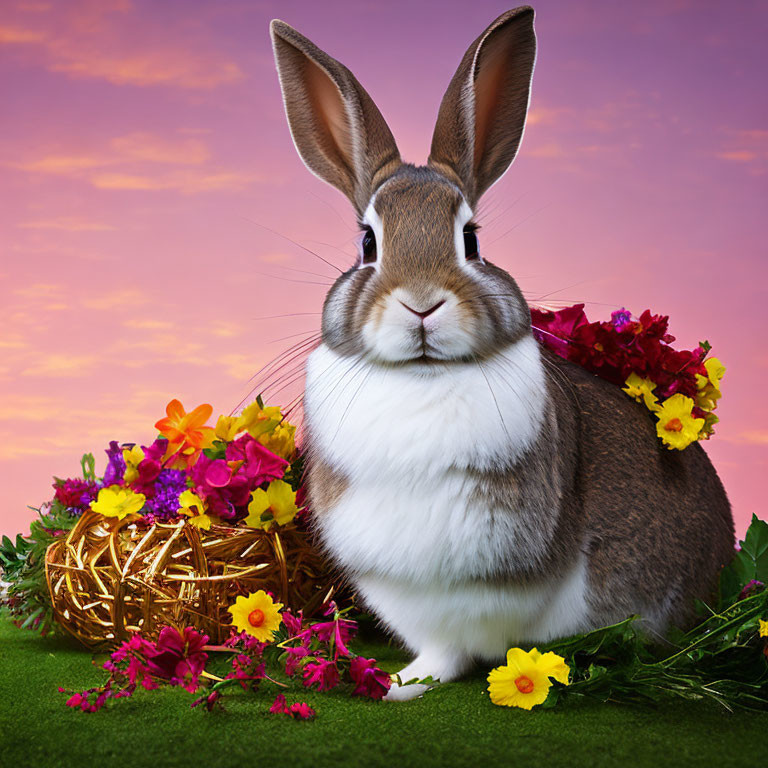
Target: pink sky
(144, 143)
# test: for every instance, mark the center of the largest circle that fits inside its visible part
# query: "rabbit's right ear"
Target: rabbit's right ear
(337, 129)
(482, 115)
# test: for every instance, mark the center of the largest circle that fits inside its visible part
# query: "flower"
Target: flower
(179, 656)
(715, 371)
(227, 427)
(763, 628)
(257, 614)
(621, 319)
(525, 679)
(323, 672)
(294, 657)
(113, 474)
(676, 425)
(193, 506)
(259, 464)
(75, 493)
(641, 390)
(257, 420)
(298, 710)
(132, 456)
(118, 502)
(166, 488)
(186, 432)
(279, 499)
(281, 440)
(368, 678)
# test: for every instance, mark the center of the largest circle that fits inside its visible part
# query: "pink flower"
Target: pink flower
(293, 661)
(292, 623)
(260, 464)
(179, 657)
(322, 672)
(298, 711)
(369, 679)
(301, 711)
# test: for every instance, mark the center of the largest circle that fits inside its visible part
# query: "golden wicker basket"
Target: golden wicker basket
(109, 578)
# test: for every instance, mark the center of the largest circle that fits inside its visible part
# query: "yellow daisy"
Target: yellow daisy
(676, 425)
(118, 502)
(257, 614)
(525, 679)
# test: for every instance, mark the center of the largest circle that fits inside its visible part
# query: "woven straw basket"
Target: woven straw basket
(109, 578)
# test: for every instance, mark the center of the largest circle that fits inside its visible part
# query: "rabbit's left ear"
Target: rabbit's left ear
(337, 129)
(482, 115)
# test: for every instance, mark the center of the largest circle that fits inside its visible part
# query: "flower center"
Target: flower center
(674, 425)
(256, 618)
(524, 684)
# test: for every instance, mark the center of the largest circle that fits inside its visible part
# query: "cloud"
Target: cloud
(58, 365)
(40, 291)
(144, 161)
(114, 41)
(67, 224)
(187, 183)
(755, 437)
(748, 147)
(127, 297)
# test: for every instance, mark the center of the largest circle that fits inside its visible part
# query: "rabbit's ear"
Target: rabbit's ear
(482, 114)
(337, 129)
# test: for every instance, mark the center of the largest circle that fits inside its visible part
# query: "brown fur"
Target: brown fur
(654, 524)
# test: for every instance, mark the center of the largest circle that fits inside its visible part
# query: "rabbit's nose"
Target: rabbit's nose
(426, 312)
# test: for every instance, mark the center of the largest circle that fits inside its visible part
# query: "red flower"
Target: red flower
(179, 657)
(298, 711)
(369, 679)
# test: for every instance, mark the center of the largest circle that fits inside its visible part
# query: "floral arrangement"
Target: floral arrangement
(267, 646)
(680, 388)
(172, 529)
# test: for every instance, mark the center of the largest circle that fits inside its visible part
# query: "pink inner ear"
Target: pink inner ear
(492, 69)
(336, 135)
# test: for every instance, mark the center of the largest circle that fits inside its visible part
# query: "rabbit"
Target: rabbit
(477, 491)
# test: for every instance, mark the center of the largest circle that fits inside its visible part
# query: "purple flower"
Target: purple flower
(115, 470)
(168, 486)
(621, 318)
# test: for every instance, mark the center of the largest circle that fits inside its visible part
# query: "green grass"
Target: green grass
(454, 725)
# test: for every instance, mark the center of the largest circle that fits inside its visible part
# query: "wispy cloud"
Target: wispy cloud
(61, 366)
(112, 41)
(67, 224)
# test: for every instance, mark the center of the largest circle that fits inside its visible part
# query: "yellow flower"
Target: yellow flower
(676, 426)
(763, 628)
(279, 499)
(118, 502)
(715, 371)
(191, 505)
(227, 428)
(642, 391)
(133, 457)
(258, 615)
(524, 680)
(280, 440)
(258, 420)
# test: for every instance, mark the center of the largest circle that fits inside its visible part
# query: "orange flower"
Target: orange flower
(186, 432)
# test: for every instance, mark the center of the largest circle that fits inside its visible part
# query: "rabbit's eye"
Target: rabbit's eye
(470, 244)
(369, 246)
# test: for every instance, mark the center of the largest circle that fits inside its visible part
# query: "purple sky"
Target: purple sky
(143, 143)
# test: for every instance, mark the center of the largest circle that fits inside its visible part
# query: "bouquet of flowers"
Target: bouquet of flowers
(172, 532)
(680, 388)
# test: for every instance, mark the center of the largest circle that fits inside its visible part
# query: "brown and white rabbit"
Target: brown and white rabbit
(478, 492)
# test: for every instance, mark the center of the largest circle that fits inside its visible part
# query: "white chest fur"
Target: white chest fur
(410, 522)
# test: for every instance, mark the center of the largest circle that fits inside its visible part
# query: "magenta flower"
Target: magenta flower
(179, 657)
(115, 470)
(368, 678)
(293, 660)
(292, 623)
(322, 672)
(76, 493)
(260, 464)
(298, 711)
